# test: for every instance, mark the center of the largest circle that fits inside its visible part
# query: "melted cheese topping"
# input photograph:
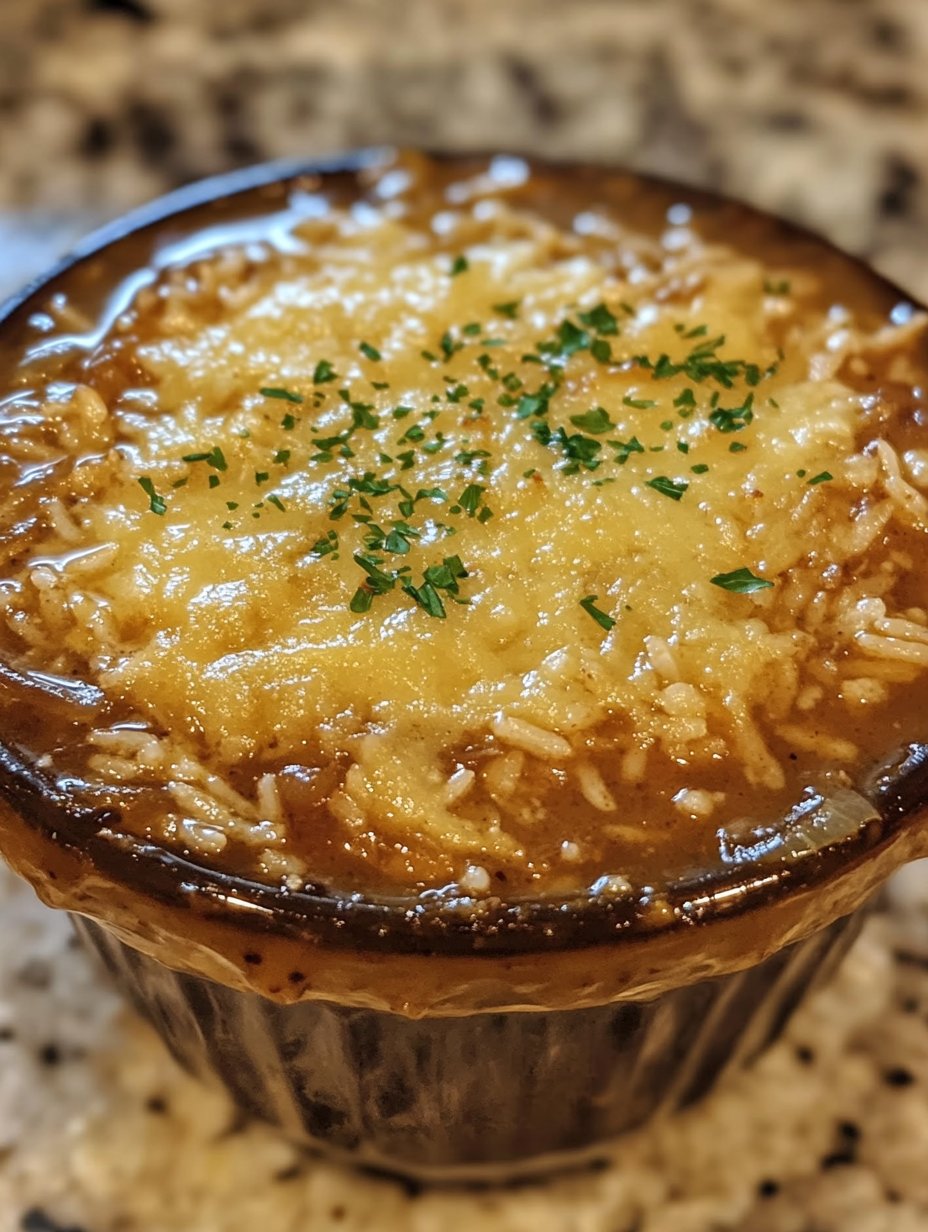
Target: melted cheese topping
(586, 491)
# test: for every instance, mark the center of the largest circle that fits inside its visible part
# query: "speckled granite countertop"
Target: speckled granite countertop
(815, 108)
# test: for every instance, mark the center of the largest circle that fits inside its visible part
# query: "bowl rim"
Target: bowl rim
(430, 923)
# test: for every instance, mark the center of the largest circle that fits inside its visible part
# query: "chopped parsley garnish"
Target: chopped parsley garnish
(599, 319)
(773, 287)
(733, 419)
(578, 450)
(156, 503)
(459, 265)
(638, 404)
(361, 600)
(369, 352)
(595, 420)
(624, 449)
(275, 391)
(323, 372)
(603, 619)
(821, 477)
(741, 581)
(510, 309)
(668, 487)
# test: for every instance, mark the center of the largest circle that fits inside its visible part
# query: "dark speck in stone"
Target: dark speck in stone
(97, 138)
(36, 1220)
(240, 148)
(50, 1054)
(35, 974)
(787, 120)
(849, 1130)
(887, 34)
(768, 1188)
(805, 1055)
(900, 181)
(157, 1105)
(837, 1159)
(899, 1076)
(151, 130)
(253, 960)
(133, 9)
(545, 107)
(236, 1126)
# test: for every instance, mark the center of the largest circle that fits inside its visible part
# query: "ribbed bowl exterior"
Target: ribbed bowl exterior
(478, 1097)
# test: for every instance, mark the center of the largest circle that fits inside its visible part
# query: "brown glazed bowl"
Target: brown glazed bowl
(437, 1038)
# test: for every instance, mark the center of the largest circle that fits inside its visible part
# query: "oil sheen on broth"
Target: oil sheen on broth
(469, 535)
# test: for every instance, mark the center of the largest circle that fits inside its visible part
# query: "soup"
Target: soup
(468, 537)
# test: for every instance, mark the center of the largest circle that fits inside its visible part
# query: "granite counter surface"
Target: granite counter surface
(815, 108)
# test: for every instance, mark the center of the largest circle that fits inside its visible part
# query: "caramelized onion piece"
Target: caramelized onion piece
(813, 824)
(74, 696)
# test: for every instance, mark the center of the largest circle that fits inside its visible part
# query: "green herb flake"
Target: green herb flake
(668, 487)
(510, 309)
(638, 404)
(600, 319)
(277, 503)
(428, 598)
(624, 449)
(282, 457)
(471, 498)
(821, 477)
(459, 265)
(275, 391)
(156, 503)
(370, 352)
(733, 419)
(323, 372)
(361, 600)
(595, 420)
(699, 469)
(603, 619)
(741, 581)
